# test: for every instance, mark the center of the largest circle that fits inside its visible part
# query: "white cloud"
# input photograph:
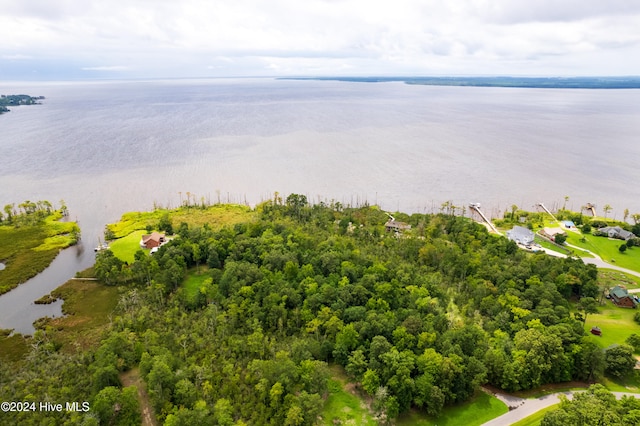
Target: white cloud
(106, 68)
(196, 37)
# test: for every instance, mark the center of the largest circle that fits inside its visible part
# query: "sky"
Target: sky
(91, 39)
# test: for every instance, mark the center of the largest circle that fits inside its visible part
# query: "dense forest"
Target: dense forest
(418, 318)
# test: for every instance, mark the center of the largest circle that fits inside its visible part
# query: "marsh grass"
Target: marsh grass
(28, 249)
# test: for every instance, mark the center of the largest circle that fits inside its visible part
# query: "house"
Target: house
(155, 239)
(568, 224)
(621, 297)
(615, 232)
(393, 225)
(552, 232)
(521, 235)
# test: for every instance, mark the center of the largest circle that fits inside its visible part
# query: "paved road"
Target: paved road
(519, 408)
(597, 260)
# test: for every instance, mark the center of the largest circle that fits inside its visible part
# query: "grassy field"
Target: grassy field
(29, 249)
(343, 406)
(607, 249)
(536, 418)
(480, 409)
(125, 248)
(616, 324)
(216, 216)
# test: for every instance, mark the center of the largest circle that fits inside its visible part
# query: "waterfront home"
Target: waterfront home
(614, 232)
(393, 225)
(155, 239)
(521, 235)
(568, 224)
(552, 232)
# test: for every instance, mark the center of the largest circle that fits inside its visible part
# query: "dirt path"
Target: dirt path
(132, 378)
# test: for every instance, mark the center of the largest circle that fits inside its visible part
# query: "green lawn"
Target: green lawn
(535, 418)
(629, 383)
(616, 324)
(194, 281)
(607, 249)
(342, 406)
(125, 248)
(546, 244)
(482, 408)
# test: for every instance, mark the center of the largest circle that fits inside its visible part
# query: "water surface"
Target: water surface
(111, 147)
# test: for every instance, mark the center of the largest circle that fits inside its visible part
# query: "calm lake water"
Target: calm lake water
(111, 147)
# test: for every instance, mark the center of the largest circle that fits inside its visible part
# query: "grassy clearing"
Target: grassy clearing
(616, 324)
(343, 405)
(125, 248)
(194, 281)
(29, 249)
(480, 409)
(536, 418)
(607, 249)
(215, 216)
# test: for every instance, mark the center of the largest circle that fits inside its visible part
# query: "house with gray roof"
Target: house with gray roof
(521, 235)
(615, 232)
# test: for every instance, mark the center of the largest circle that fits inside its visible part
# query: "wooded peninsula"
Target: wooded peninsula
(15, 100)
(280, 314)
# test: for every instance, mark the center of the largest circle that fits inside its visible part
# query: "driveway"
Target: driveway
(519, 408)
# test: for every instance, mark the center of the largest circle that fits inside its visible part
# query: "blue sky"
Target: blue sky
(87, 39)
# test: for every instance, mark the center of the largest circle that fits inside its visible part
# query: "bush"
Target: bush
(634, 341)
(586, 228)
(636, 317)
(622, 248)
(598, 224)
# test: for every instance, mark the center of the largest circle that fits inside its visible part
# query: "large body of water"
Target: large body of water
(111, 147)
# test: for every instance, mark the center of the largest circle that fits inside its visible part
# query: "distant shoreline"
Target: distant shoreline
(16, 100)
(631, 82)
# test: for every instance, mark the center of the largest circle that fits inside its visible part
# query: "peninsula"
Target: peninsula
(15, 100)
